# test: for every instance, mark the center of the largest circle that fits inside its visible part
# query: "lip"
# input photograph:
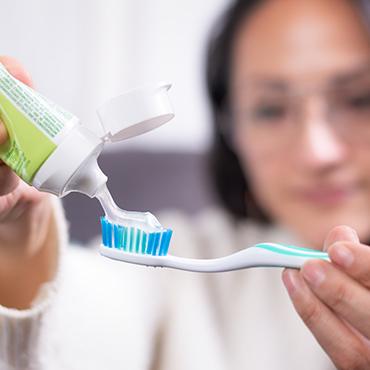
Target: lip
(329, 195)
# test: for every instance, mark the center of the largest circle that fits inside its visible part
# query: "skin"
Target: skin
(307, 45)
(28, 237)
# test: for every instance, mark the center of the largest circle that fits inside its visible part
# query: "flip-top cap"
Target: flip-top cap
(136, 112)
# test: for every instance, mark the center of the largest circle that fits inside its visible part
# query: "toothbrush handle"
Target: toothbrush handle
(259, 255)
(279, 255)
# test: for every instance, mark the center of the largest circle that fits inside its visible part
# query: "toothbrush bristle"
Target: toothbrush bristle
(135, 240)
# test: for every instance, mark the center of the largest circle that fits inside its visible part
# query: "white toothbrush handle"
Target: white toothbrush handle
(260, 255)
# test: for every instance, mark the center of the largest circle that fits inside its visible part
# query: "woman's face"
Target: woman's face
(301, 105)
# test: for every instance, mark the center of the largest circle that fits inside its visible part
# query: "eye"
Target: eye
(359, 101)
(270, 112)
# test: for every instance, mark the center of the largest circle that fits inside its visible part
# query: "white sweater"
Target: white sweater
(103, 314)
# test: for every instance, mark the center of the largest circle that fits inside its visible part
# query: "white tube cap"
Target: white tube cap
(135, 112)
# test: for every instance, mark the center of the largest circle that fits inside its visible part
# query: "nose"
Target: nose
(319, 146)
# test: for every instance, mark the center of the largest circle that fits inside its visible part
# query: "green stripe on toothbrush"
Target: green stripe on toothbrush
(294, 251)
(300, 249)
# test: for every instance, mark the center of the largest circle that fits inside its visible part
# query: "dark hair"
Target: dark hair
(227, 176)
(226, 173)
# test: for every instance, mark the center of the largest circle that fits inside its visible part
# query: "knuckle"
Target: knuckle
(310, 314)
(339, 297)
(365, 278)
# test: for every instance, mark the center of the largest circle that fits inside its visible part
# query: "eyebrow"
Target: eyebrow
(356, 74)
(276, 84)
(265, 82)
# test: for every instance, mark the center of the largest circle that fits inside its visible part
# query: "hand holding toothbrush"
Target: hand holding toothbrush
(27, 231)
(333, 299)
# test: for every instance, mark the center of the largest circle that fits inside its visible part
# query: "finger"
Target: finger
(341, 293)
(16, 70)
(353, 259)
(3, 133)
(17, 202)
(8, 180)
(341, 233)
(345, 349)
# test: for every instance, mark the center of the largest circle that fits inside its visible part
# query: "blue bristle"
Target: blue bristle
(165, 242)
(138, 240)
(109, 234)
(157, 237)
(107, 231)
(169, 235)
(103, 223)
(150, 243)
(118, 235)
(144, 243)
(125, 238)
(135, 240)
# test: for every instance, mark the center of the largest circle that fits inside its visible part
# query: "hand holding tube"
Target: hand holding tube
(28, 250)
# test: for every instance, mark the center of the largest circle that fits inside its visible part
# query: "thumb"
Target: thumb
(341, 234)
(8, 179)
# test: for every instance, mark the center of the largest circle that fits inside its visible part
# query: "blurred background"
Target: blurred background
(81, 53)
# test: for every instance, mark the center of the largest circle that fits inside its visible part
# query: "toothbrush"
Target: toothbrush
(134, 245)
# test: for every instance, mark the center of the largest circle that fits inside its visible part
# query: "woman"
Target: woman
(289, 85)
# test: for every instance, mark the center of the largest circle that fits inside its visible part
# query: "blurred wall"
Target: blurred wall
(81, 53)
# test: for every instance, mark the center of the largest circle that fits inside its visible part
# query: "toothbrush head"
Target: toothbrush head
(134, 239)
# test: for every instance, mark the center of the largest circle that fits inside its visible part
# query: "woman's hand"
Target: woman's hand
(333, 299)
(28, 238)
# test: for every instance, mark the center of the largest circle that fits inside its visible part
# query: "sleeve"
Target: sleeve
(21, 330)
(188, 337)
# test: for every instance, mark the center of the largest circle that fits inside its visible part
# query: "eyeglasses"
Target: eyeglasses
(273, 117)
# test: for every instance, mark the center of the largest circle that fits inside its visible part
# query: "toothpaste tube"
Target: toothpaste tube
(50, 149)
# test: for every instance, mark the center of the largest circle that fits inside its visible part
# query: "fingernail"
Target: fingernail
(355, 238)
(314, 274)
(341, 255)
(290, 281)
(346, 233)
